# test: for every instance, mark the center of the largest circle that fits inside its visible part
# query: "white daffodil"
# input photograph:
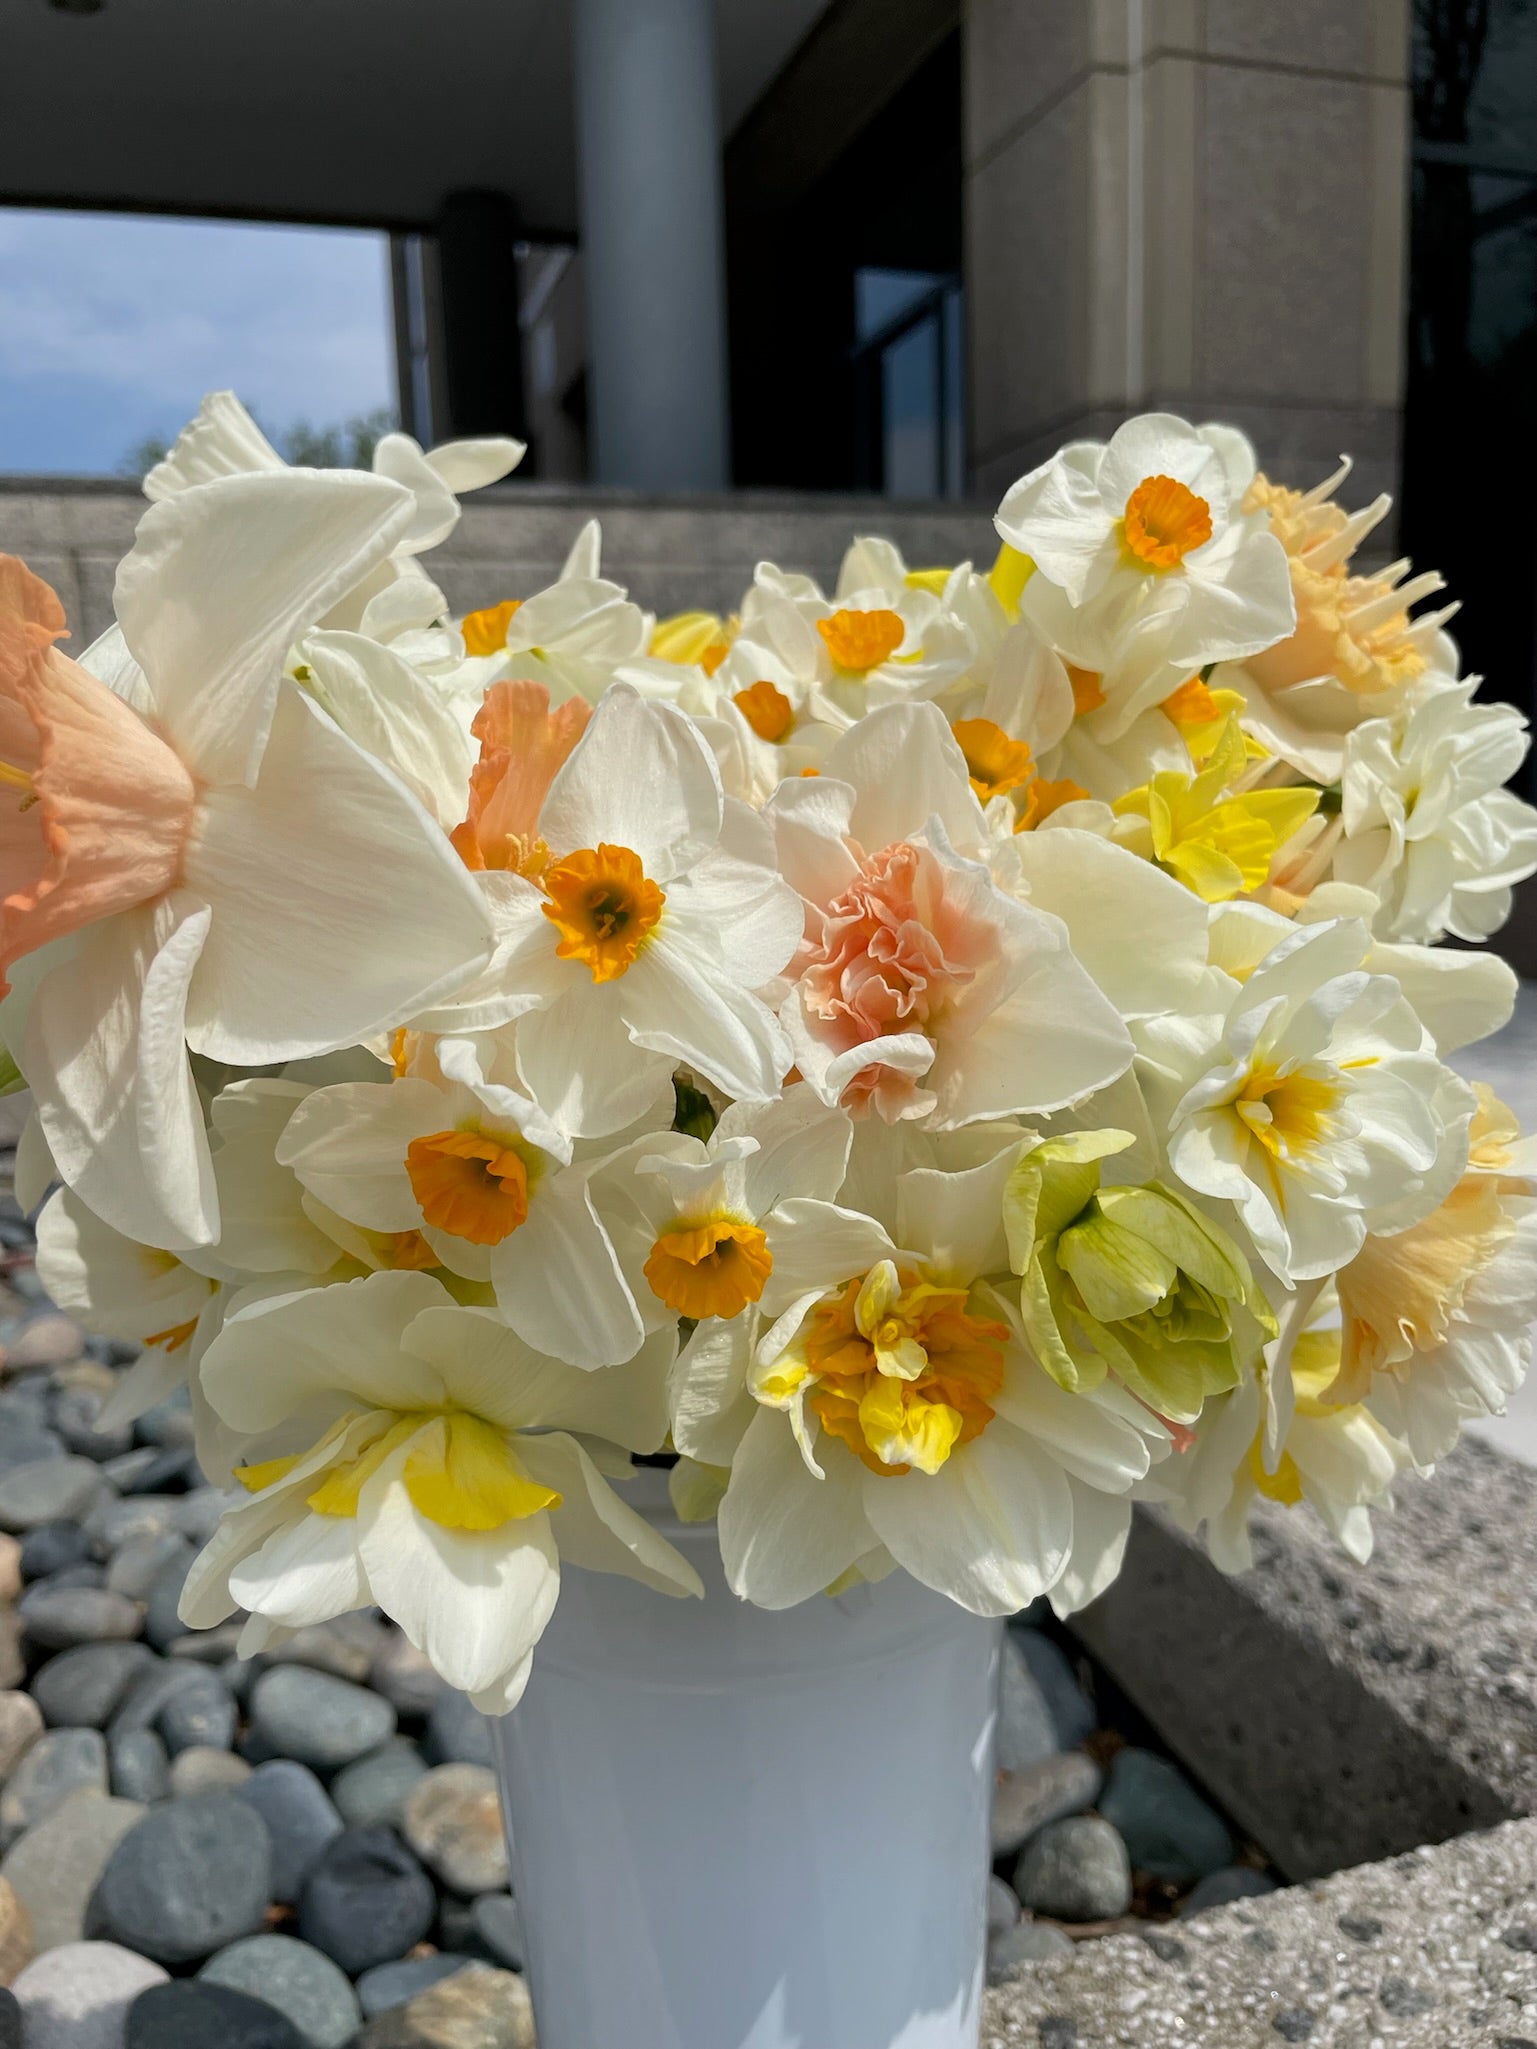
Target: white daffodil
(1436, 1321)
(922, 990)
(408, 1453)
(1428, 824)
(1145, 561)
(693, 1221)
(1313, 1101)
(455, 1155)
(896, 1409)
(211, 863)
(1357, 652)
(1336, 1457)
(644, 913)
(222, 440)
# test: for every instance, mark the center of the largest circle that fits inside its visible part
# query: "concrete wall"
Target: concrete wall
(1195, 204)
(674, 554)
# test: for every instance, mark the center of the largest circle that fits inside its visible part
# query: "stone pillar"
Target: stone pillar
(652, 242)
(1198, 205)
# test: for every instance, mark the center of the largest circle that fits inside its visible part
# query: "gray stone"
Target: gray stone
(367, 1900)
(457, 1732)
(204, 1770)
(1026, 1800)
(83, 1688)
(198, 1514)
(194, 1875)
(389, 1985)
(62, 1762)
(453, 1821)
(497, 1928)
(404, 1675)
(56, 1618)
(1013, 1951)
(55, 1866)
(21, 1723)
(169, 1421)
(162, 1623)
(25, 1439)
(200, 1715)
(345, 1647)
(1071, 1711)
(49, 1340)
(189, 2014)
(47, 1490)
(127, 1469)
(139, 1561)
(1002, 1906)
(137, 1765)
(145, 1701)
(112, 1523)
(1439, 1915)
(161, 1471)
(317, 1719)
(214, 1646)
(1075, 1870)
(78, 1996)
(477, 2006)
(1221, 1888)
(301, 1983)
(51, 1546)
(1170, 1832)
(74, 1415)
(1026, 1732)
(300, 1820)
(1413, 1682)
(377, 1787)
(11, 2022)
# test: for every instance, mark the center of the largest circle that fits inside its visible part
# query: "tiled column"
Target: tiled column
(1193, 204)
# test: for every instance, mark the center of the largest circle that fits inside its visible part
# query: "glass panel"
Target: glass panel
(115, 326)
(912, 420)
(881, 296)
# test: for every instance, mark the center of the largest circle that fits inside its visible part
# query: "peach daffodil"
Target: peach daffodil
(208, 861)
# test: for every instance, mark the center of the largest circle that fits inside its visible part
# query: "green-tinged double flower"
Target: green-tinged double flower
(1132, 1281)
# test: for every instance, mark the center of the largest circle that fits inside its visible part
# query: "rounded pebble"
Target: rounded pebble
(453, 1821)
(47, 1490)
(1012, 1951)
(55, 1867)
(300, 1820)
(1075, 1870)
(52, 1546)
(200, 1714)
(189, 2014)
(79, 1996)
(83, 1688)
(498, 1928)
(388, 1985)
(404, 1675)
(58, 1764)
(138, 1767)
(162, 1619)
(51, 1339)
(377, 1787)
(202, 1769)
(367, 1900)
(487, 2008)
(1026, 1800)
(1002, 1906)
(21, 1723)
(139, 1561)
(1026, 1732)
(56, 1618)
(194, 1875)
(10, 2020)
(1071, 1710)
(457, 1732)
(1169, 1830)
(18, 1940)
(301, 1983)
(318, 1719)
(1221, 1888)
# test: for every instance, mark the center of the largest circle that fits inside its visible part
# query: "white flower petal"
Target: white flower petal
(785, 1535)
(595, 1528)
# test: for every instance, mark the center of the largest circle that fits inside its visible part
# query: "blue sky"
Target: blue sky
(112, 327)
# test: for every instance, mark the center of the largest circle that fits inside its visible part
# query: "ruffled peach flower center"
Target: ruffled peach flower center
(95, 808)
(896, 952)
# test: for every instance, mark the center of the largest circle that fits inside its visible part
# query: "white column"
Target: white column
(652, 242)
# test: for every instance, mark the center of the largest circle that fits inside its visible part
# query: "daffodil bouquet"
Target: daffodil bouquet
(942, 1059)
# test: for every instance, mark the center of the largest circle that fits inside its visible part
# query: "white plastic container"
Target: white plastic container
(741, 1830)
